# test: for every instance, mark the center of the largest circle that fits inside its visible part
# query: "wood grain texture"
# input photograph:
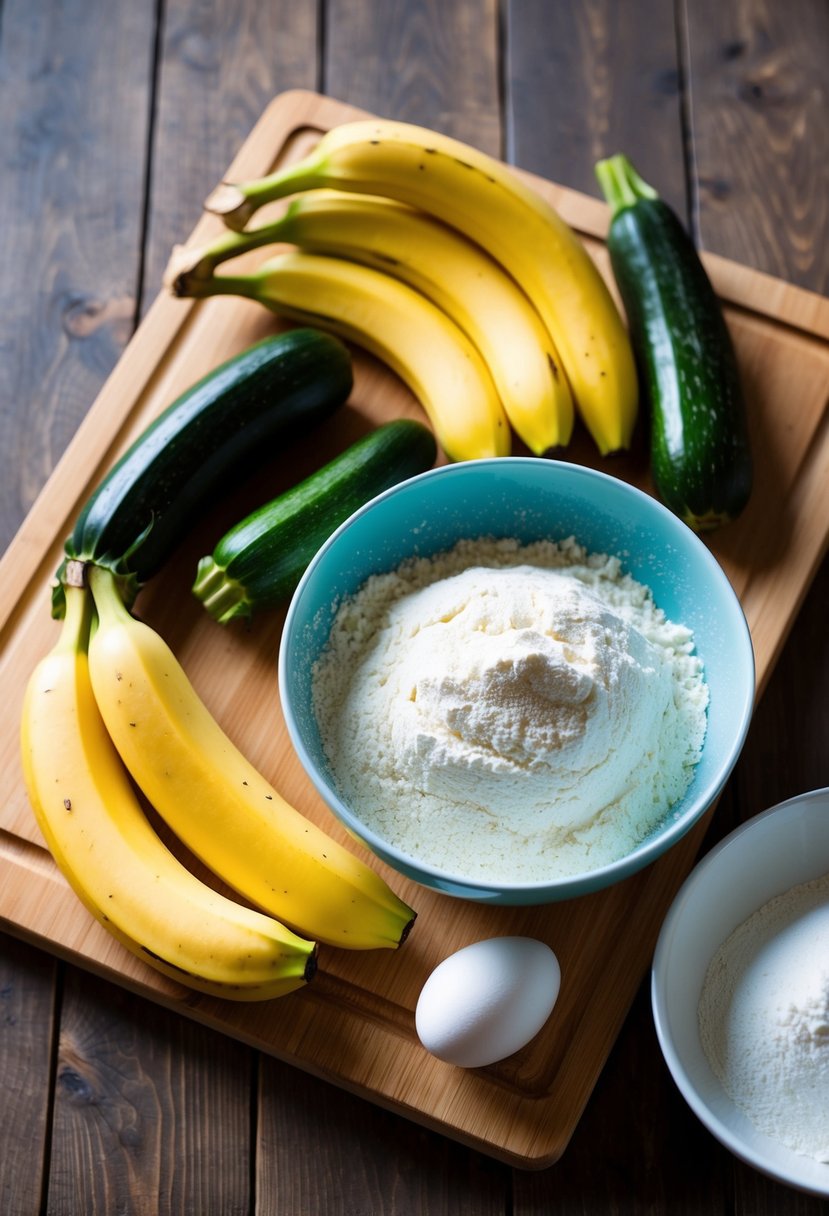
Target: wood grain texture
(27, 1031)
(167, 1109)
(418, 1171)
(219, 66)
(583, 82)
(758, 109)
(778, 762)
(421, 61)
(755, 1194)
(70, 212)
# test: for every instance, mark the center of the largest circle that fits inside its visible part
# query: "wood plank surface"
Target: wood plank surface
(27, 1009)
(659, 1159)
(416, 1170)
(431, 63)
(584, 83)
(757, 114)
(167, 1109)
(71, 252)
(218, 67)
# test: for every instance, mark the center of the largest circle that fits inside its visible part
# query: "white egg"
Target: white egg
(487, 1000)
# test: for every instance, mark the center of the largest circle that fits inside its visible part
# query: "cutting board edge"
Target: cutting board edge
(549, 1149)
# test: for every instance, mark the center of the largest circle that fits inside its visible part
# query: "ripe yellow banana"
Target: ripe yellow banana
(424, 346)
(217, 803)
(484, 199)
(453, 272)
(112, 858)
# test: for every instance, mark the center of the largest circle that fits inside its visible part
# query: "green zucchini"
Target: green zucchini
(222, 426)
(261, 560)
(699, 444)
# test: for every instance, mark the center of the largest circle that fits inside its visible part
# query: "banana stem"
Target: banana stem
(621, 184)
(236, 202)
(77, 621)
(109, 603)
(188, 266)
(251, 286)
(71, 573)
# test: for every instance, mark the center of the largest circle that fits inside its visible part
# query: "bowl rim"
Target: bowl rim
(543, 890)
(672, 1053)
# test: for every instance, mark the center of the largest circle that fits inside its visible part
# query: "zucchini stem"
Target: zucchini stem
(224, 597)
(621, 184)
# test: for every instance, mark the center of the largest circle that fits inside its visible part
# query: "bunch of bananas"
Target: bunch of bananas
(111, 702)
(442, 262)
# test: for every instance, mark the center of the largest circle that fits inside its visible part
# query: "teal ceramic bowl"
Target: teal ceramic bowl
(527, 499)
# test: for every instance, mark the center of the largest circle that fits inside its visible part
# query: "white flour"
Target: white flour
(764, 1018)
(528, 701)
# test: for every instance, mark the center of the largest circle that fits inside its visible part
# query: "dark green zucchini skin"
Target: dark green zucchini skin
(699, 445)
(217, 430)
(261, 559)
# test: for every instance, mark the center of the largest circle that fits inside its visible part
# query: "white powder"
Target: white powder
(764, 1018)
(510, 712)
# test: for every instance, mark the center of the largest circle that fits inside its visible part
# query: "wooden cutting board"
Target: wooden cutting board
(355, 1024)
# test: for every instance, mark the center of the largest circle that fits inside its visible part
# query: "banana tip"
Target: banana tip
(407, 929)
(556, 451)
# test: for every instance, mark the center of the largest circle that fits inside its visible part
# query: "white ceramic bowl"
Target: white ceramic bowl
(776, 850)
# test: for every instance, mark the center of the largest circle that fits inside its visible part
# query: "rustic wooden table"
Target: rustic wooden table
(118, 118)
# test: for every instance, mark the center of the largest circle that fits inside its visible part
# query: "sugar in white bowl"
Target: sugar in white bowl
(763, 860)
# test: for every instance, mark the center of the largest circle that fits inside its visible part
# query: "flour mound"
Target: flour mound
(510, 712)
